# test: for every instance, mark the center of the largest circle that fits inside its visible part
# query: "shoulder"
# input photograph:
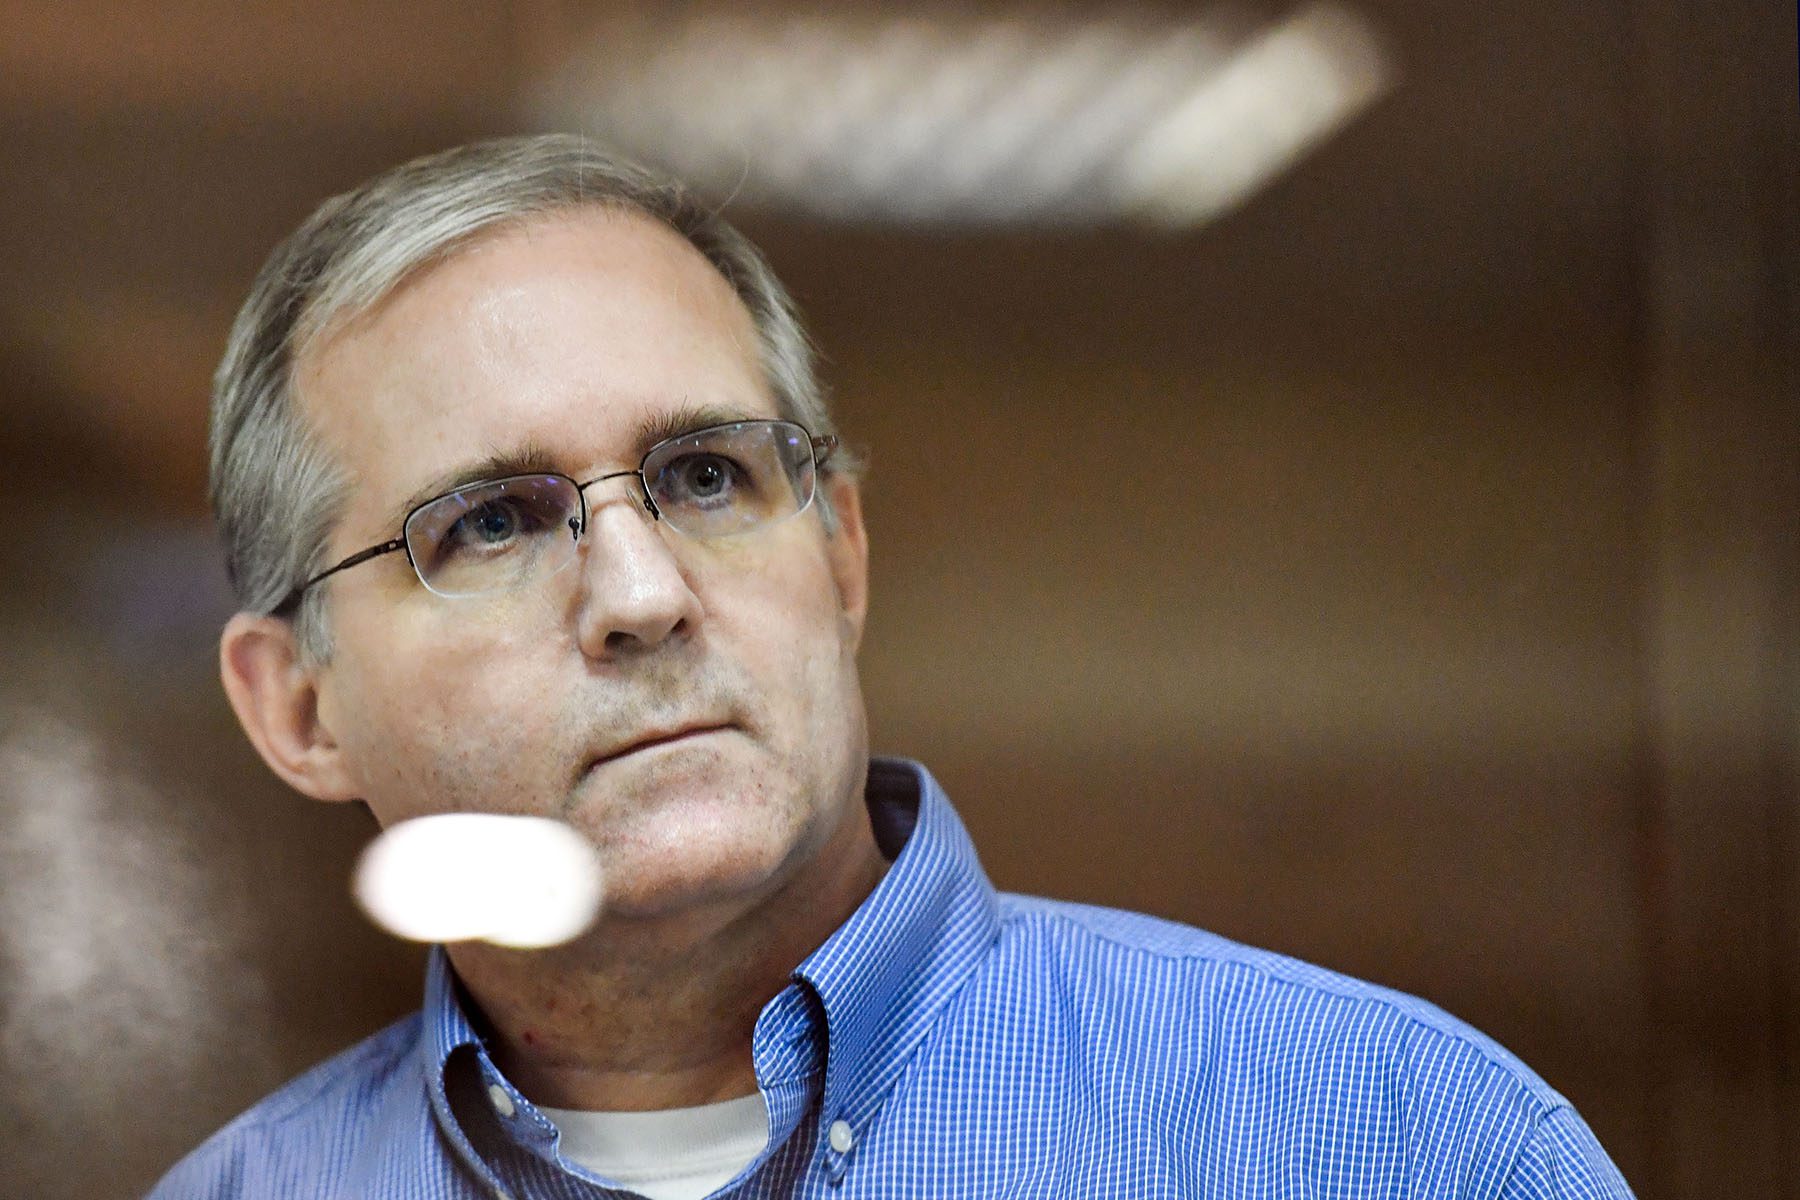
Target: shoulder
(1273, 1013)
(1284, 1068)
(308, 1119)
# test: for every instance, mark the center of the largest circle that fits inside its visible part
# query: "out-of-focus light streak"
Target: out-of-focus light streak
(1040, 119)
(1284, 92)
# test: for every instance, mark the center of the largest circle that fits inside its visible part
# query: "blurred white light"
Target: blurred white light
(1283, 92)
(909, 117)
(523, 882)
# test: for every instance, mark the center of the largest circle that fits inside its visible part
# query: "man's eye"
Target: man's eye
(492, 524)
(489, 526)
(704, 477)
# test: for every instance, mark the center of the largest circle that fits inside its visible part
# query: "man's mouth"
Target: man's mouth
(653, 739)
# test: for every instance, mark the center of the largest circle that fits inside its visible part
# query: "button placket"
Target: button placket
(840, 1140)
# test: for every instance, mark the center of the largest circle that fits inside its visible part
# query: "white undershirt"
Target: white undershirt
(671, 1154)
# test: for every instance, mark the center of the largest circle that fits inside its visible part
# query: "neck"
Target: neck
(645, 1014)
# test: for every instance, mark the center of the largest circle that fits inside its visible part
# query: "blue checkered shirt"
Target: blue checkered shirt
(952, 1041)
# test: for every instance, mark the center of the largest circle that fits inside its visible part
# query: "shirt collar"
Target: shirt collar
(888, 971)
(447, 1026)
(881, 978)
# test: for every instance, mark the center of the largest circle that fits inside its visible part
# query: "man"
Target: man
(534, 508)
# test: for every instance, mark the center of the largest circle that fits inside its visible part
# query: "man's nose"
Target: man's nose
(634, 596)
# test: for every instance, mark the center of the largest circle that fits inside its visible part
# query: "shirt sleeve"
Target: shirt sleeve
(1562, 1160)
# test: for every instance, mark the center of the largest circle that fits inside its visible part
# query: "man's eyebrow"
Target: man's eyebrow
(529, 459)
(685, 418)
(534, 458)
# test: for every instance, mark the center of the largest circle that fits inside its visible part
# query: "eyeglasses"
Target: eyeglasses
(503, 533)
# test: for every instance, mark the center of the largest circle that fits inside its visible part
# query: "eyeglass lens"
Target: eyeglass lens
(712, 483)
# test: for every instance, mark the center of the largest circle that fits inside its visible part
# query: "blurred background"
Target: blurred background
(1333, 482)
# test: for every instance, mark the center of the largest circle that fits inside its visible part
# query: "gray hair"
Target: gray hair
(276, 492)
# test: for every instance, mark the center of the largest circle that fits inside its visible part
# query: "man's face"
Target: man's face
(573, 339)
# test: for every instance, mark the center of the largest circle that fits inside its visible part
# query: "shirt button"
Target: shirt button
(502, 1102)
(842, 1137)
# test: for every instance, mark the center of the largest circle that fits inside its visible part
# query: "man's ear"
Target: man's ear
(848, 546)
(276, 699)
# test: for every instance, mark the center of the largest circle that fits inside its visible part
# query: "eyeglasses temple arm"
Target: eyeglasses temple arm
(361, 556)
